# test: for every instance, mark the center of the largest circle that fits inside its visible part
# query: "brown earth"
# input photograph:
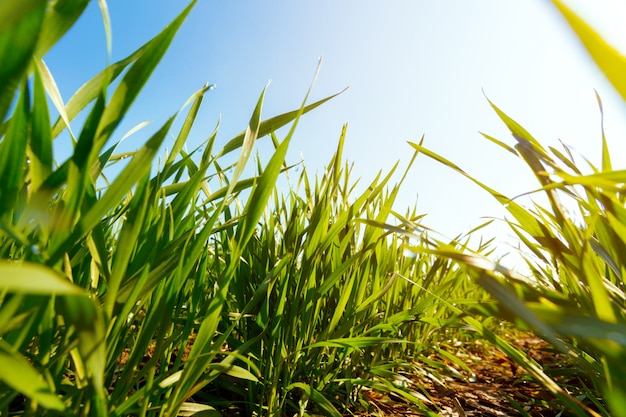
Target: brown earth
(496, 387)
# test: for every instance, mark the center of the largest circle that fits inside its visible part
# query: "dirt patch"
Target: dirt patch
(494, 387)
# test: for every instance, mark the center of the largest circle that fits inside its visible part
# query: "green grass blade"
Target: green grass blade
(196, 99)
(19, 374)
(138, 166)
(13, 153)
(20, 25)
(53, 92)
(606, 155)
(41, 137)
(136, 77)
(517, 130)
(272, 124)
(316, 396)
(93, 88)
(60, 17)
(610, 61)
(29, 278)
(356, 342)
(106, 20)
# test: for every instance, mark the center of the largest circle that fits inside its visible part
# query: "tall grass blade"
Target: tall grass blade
(13, 153)
(41, 158)
(136, 168)
(59, 18)
(53, 92)
(20, 25)
(606, 155)
(135, 79)
(19, 374)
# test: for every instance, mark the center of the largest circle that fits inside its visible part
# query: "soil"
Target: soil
(494, 387)
(497, 386)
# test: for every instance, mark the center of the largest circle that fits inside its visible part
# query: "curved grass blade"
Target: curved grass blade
(30, 278)
(606, 155)
(273, 124)
(90, 90)
(53, 92)
(316, 396)
(20, 375)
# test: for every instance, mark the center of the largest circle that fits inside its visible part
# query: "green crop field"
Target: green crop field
(195, 287)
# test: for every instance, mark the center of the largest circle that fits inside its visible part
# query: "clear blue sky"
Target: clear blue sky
(413, 67)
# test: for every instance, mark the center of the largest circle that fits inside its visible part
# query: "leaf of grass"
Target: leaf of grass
(53, 92)
(60, 16)
(272, 124)
(136, 168)
(41, 136)
(13, 153)
(20, 24)
(606, 155)
(136, 77)
(610, 61)
(316, 396)
(19, 374)
(30, 278)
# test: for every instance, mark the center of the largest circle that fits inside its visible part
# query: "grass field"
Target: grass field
(194, 286)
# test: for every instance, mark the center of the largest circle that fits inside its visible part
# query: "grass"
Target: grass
(147, 294)
(186, 288)
(574, 244)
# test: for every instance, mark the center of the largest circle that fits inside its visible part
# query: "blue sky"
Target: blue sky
(412, 67)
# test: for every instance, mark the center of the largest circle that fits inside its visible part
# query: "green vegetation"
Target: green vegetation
(188, 289)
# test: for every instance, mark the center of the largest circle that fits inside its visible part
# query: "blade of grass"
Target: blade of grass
(59, 18)
(41, 137)
(610, 61)
(136, 77)
(18, 374)
(30, 278)
(13, 153)
(20, 25)
(136, 168)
